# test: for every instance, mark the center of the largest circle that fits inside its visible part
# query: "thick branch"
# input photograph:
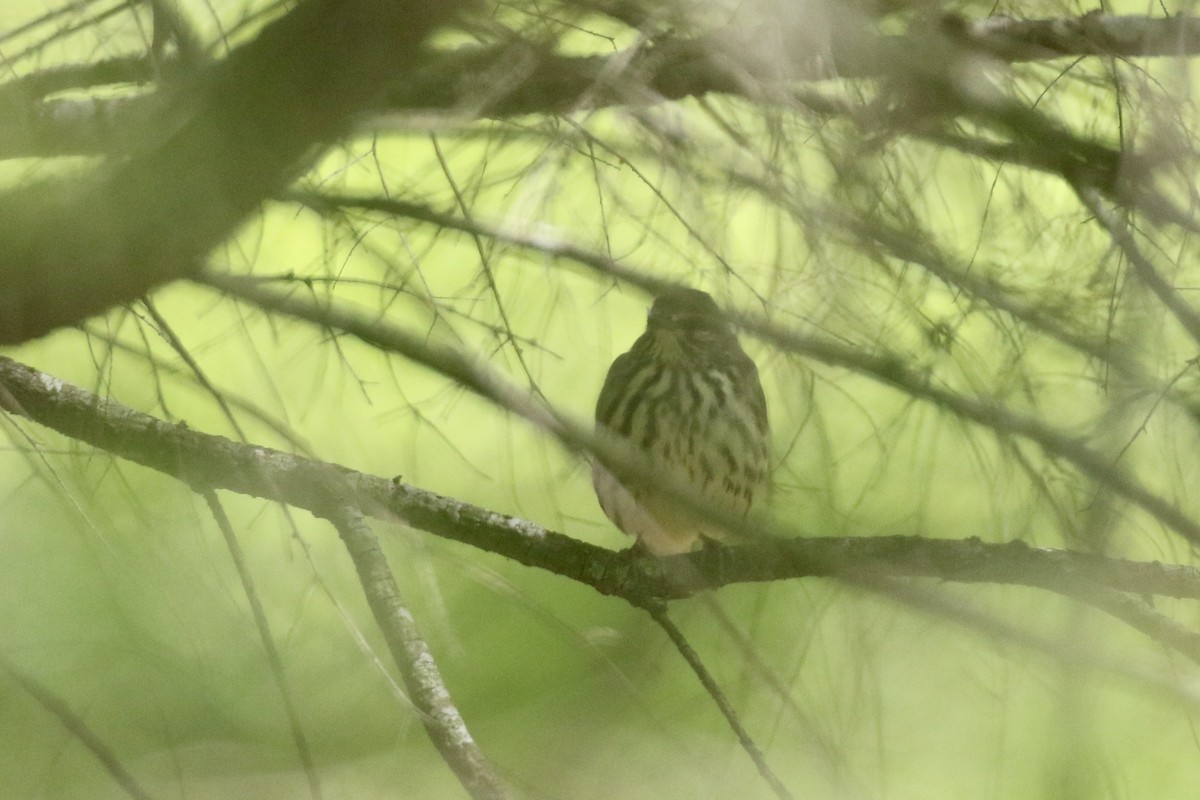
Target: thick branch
(249, 122)
(1090, 35)
(512, 80)
(206, 460)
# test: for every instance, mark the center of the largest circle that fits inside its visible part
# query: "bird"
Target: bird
(688, 397)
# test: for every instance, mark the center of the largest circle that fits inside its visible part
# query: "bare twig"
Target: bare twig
(441, 718)
(1147, 273)
(81, 731)
(185, 355)
(658, 613)
(884, 366)
(264, 634)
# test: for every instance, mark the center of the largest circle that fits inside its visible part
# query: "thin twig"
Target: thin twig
(264, 635)
(1118, 230)
(80, 730)
(185, 355)
(658, 612)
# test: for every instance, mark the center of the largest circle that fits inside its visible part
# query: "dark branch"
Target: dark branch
(685, 649)
(205, 460)
(1090, 35)
(516, 79)
(244, 129)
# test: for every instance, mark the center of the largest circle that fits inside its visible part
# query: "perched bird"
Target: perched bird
(689, 397)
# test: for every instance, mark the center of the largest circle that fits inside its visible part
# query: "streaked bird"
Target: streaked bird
(689, 397)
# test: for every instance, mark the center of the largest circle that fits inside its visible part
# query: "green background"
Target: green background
(120, 596)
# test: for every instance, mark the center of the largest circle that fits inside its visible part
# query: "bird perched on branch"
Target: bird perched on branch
(688, 397)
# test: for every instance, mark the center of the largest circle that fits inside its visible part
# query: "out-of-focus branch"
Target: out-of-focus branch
(78, 728)
(241, 130)
(205, 154)
(1187, 316)
(884, 366)
(1014, 40)
(515, 79)
(274, 661)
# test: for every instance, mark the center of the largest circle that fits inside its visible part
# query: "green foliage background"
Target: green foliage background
(120, 595)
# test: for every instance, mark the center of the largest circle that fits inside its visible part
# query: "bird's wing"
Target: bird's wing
(616, 383)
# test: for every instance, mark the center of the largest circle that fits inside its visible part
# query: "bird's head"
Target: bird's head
(685, 325)
(687, 312)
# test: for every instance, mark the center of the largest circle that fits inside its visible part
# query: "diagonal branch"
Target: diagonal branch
(246, 126)
(441, 718)
(79, 728)
(884, 366)
(274, 661)
(321, 488)
(1118, 230)
(659, 614)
